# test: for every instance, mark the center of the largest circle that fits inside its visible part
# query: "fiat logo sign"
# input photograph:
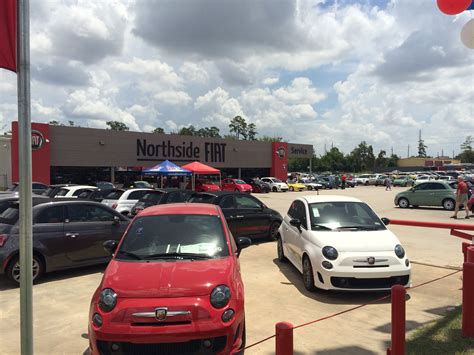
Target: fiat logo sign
(280, 152)
(371, 260)
(160, 314)
(37, 139)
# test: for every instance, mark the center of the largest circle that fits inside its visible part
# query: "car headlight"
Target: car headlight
(399, 251)
(220, 296)
(108, 299)
(330, 253)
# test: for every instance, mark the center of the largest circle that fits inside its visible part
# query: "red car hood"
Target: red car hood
(210, 187)
(167, 278)
(245, 186)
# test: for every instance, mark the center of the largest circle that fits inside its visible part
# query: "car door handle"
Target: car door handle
(72, 235)
(239, 216)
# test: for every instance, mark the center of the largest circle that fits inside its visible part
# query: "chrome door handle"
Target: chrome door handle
(72, 235)
(239, 216)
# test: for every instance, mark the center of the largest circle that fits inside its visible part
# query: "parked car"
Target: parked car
(123, 201)
(295, 185)
(98, 195)
(161, 197)
(105, 185)
(236, 185)
(204, 185)
(423, 178)
(339, 243)
(74, 191)
(403, 181)
(380, 181)
(52, 190)
(431, 193)
(258, 185)
(350, 181)
(137, 185)
(246, 215)
(311, 185)
(66, 234)
(37, 187)
(173, 286)
(365, 179)
(324, 181)
(275, 184)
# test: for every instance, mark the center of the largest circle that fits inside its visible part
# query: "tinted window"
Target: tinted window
(174, 234)
(62, 192)
(53, 214)
(292, 211)
(152, 197)
(343, 215)
(114, 195)
(437, 187)
(301, 213)
(39, 186)
(237, 181)
(227, 202)
(9, 212)
(421, 187)
(202, 198)
(80, 191)
(88, 213)
(136, 195)
(243, 201)
(178, 196)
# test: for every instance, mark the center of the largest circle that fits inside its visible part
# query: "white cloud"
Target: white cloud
(270, 81)
(171, 97)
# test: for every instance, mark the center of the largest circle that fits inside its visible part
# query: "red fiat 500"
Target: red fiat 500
(172, 287)
(236, 185)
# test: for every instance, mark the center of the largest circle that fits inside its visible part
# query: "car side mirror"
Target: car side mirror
(385, 221)
(116, 220)
(295, 222)
(242, 243)
(110, 246)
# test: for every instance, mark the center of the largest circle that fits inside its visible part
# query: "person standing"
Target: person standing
(461, 198)
(343, 179)
(388, 184)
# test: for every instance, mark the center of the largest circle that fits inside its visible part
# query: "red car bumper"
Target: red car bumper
(201, 332)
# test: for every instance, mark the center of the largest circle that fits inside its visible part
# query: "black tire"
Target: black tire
(273, 231)
(244, 341)
(366, 183)
(308, 277)
(291, 188)
(274, 189)
(449, 204)
(281, 255)
(310, 188)
(13, 269)
(403, 202)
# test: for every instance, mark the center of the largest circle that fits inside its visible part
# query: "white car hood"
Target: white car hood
(356, 241)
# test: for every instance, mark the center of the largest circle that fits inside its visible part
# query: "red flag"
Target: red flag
(8, 34)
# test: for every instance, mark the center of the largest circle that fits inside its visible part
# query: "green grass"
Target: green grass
(442, 337)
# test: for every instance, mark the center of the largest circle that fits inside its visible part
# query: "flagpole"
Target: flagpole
(25, 177)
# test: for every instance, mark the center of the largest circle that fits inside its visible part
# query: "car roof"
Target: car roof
(216, 193)
(329, 198)
(181, 208)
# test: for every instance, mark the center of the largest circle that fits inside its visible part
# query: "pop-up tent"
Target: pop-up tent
(198, 168)
(167, 168)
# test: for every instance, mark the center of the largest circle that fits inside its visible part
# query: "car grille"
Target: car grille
(187, 348)
(354, 283)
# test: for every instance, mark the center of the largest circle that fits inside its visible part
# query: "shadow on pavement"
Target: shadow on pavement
(331, 297)
(410, 325)
(6, 284)
(345, 350)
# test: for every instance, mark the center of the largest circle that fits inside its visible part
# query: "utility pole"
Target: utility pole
(391, 151)
(325, 150)
(442, 152)
(408, 155)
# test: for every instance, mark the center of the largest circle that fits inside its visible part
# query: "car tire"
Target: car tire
(274, 189)
(366, 183)
(273, 231)
(449, 204)
(309, 188)
(291, 188)
(13, 269)
(281, 254)
(308, 277)
(403, 202)
(241, 350)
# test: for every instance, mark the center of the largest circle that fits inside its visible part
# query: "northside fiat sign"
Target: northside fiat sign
(210, 152)
(37, 139)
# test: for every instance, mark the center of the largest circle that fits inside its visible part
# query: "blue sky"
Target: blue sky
(310, 71)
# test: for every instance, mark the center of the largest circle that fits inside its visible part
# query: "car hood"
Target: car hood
(245, 186)
(357, 241)
(186, 278)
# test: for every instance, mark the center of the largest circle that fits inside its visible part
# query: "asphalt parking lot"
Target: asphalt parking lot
(274, 292)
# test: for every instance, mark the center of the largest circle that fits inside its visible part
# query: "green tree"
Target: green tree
(238, 126)
(362, 157)
(333, 160)
(187, 131)
(392, 161)
(467, 145)
(158, 130)
(71, 123)
(270, 139)
(211, 132)
(117, 126)
(55, 123)
(381, 160)
(421, 148)
(251, 132)
(467, 154)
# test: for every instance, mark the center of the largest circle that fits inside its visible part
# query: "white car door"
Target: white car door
(293, 235)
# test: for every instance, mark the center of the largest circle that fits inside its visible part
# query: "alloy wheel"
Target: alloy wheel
(16, 270)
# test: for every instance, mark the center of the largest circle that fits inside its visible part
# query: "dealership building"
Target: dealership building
(63, 154)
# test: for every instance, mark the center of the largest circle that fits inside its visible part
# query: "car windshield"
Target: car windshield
(277, 180)
(9, 213)
(238, 181)
(338, 216)
(14, 187)
(152, 197)
(174, 237)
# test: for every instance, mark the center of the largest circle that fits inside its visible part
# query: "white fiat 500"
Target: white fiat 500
(339, 243)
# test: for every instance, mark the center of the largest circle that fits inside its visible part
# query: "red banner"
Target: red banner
(8, 34)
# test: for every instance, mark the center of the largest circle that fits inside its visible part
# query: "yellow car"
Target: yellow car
(295, 186)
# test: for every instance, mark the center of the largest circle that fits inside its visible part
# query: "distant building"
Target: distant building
(431, 163)
(5, 162)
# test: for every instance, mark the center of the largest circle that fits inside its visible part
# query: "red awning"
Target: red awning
(200, 168)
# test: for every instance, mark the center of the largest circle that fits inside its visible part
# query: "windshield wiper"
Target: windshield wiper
(314, 225)
(367, 228)
(177, 256)
(127, 253)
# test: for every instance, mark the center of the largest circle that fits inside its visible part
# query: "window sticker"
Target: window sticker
(315, 212)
